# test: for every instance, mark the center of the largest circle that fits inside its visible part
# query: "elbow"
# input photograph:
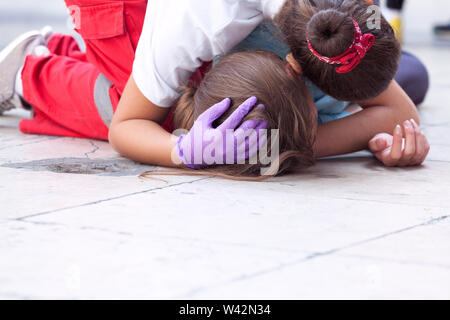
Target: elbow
(412, 113)
(406, 110)
(112, 136)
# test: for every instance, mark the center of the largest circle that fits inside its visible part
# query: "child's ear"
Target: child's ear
(294, 64)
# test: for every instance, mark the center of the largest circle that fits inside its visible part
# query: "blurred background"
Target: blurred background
(19, 16)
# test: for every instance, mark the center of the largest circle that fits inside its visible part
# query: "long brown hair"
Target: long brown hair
(288, 108)
(329, 26)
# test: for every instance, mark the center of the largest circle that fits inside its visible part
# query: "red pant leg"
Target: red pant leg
(61, 91)
(65, 45)
(64, 89)
(41, 90)
(75, 98)
(111, 30)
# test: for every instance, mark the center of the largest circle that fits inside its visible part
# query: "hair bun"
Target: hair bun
(330, 32)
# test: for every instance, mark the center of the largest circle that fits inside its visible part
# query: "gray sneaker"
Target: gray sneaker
(47, 33)
(12, 59)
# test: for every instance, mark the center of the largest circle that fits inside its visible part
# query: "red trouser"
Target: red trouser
(74, 93)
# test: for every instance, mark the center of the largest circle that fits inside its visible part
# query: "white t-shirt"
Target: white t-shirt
(179, 35)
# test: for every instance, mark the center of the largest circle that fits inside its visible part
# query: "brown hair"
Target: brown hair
(329, 26)
(288, 107)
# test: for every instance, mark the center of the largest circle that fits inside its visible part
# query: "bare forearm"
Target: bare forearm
(143, 141)
(136, 131)
(353, 133)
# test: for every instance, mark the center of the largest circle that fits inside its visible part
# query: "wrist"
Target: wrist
(181, 154)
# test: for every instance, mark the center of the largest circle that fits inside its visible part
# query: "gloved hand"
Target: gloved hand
(204, 145)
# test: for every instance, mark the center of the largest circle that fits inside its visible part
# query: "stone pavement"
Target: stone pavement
(76, 222)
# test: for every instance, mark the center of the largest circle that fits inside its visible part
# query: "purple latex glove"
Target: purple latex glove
(205, 145)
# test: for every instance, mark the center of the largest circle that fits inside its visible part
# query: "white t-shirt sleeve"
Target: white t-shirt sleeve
(179, 35)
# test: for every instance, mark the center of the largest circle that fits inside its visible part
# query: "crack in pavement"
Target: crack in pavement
(30, 143)
(106, 200)
(441, 161)
(311, 257)
(80, 228)
(385, 235)
(96, 148)
(404, 262)
(391, 202)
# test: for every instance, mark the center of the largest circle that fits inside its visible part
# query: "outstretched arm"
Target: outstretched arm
(380, 115)
(136, 131)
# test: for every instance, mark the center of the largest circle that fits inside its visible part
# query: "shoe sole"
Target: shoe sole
(47, 33)
(8, 58)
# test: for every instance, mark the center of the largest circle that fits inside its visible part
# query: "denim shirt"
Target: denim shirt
(268, 37)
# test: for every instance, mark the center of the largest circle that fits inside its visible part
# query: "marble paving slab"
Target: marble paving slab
(77, 222)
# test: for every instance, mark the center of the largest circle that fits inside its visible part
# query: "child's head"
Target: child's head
(330, 29)
(288, 106)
